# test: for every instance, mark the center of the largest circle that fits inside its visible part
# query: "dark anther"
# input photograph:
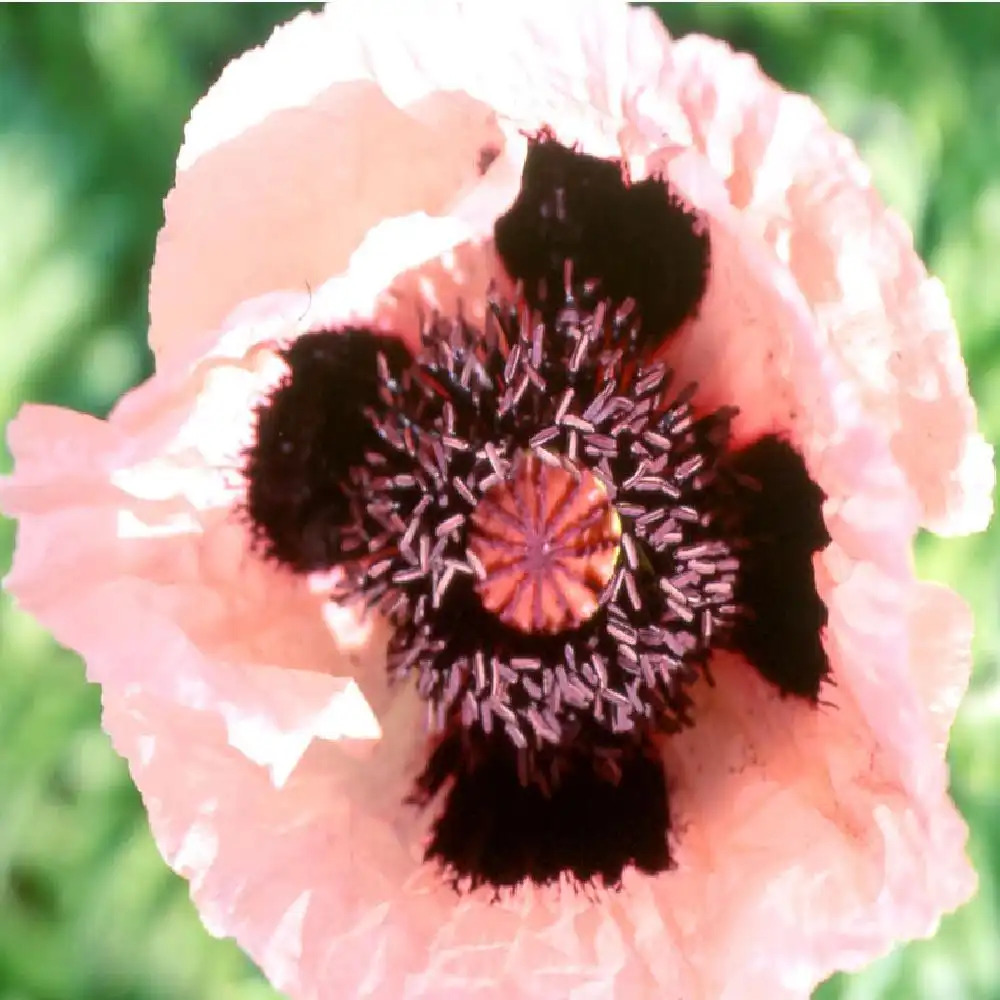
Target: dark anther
(637, 241)
(782, 522)
(542, 525)
(603, 814)
(310, 433)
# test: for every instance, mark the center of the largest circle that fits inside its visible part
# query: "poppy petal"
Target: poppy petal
(802, 187)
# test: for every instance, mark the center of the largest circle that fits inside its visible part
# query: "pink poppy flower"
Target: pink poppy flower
(694, 597)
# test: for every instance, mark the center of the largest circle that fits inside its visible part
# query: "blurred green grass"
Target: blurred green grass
(92, 103)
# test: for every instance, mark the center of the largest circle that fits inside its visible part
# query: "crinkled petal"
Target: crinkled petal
(802, 186)
(756, 341)
(800, 850)
(372, 110)
(941, 626)
(156, 594)
(334, 906)
(132, 549)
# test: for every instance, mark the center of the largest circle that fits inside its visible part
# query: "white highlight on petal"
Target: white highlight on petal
(284, 949)
(199, 847)
(338, 711)
(130, 525)
(351, 627)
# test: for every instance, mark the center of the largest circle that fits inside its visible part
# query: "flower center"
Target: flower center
(547, 537)
(557, 537)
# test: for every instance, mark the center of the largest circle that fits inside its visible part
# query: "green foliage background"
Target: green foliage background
(92, 103)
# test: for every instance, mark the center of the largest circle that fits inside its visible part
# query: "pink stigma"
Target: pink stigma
(548, 539)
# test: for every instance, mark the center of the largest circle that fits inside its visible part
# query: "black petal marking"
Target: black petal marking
(310, 433)
(637, 241)
(782, 521)
(604, 814)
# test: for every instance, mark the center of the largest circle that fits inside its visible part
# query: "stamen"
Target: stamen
(579, 530)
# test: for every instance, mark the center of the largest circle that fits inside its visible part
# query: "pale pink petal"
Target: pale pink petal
(318, 879)
(372, 110)
(755, 342)
(871, 813)
(801, 852)
(802, 187)
(941, 626)
(154, 593)
(131, 548)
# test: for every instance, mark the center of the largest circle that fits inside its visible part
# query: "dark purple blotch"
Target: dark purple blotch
(310, 433)
(781, 521)
(638, 241)
(497, 831)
